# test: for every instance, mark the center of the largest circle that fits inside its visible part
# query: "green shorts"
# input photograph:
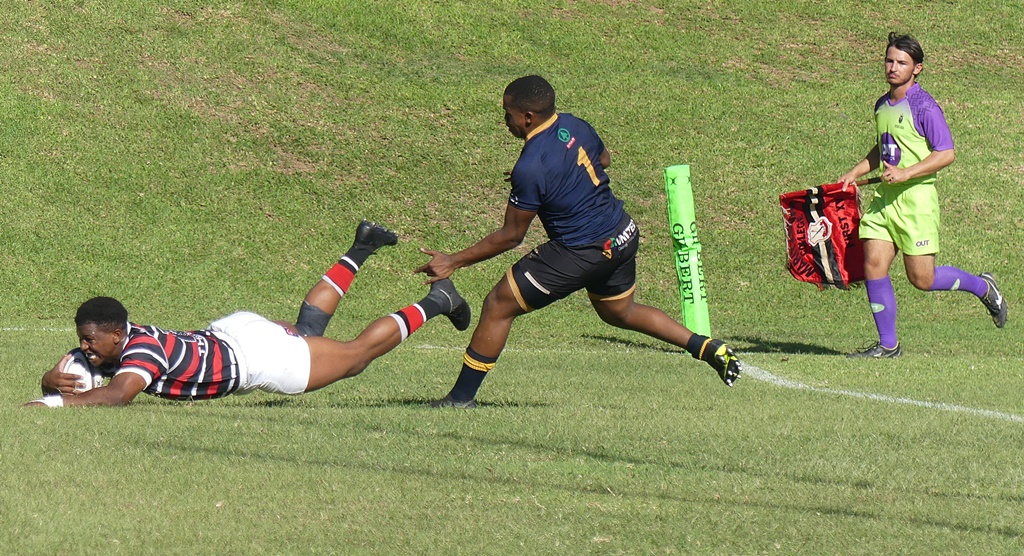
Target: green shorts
(907, 216)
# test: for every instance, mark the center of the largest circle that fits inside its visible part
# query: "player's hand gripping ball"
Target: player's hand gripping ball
(79, 366)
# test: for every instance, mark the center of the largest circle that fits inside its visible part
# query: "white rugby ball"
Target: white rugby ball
(79, 366)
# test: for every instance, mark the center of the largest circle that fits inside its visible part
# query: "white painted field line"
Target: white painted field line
(34, 329)
(750, 371)
(756, 373)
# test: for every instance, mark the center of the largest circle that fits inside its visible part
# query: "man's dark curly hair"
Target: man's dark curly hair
(532, 94)
(106, 313)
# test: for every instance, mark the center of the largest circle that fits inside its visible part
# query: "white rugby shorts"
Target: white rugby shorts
(270, 358)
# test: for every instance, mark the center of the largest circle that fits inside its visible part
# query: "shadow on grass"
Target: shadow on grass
(629, 344)
(760, 345)
(425, 404)
(276, 402)
(756, 345)
(391, 402)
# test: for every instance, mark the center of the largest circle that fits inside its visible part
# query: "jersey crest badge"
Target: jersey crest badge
(566, 137)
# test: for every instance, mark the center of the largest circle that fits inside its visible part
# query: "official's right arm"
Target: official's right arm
(869, 163)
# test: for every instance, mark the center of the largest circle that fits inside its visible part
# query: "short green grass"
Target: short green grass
(197, 158)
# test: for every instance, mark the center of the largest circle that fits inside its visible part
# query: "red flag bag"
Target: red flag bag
(822, 244)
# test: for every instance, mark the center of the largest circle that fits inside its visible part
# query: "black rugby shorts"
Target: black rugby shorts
(552, 271)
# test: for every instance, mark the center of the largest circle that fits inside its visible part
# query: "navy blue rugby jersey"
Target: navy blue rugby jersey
(559, 176)
(180, 365)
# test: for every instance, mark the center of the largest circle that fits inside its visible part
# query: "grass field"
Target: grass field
(198, 158)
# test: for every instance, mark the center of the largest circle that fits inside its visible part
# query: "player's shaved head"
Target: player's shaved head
(531, 94)
(106, 313)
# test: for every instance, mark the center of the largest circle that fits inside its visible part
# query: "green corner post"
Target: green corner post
(686, 249)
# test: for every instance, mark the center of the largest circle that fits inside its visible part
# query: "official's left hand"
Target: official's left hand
(894, 174)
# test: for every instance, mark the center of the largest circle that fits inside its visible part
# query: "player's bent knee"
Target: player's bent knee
(619, 314)
(615, 319)
(922, 283)
(331, 361)
(499, 306)
(355, 368)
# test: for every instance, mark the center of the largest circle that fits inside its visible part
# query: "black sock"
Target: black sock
(474, 371)
(696, 345)
(430, 307)
(358, 253)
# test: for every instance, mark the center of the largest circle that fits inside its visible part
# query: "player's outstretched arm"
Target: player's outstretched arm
(509, 236)
(121, 390)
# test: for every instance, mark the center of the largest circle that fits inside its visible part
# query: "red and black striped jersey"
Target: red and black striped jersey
(177, 365)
